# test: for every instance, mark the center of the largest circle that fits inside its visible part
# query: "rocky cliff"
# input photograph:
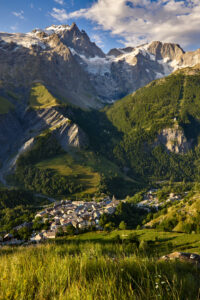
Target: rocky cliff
(174, 140)
(72, 66)
(18, 132)
(38, 57)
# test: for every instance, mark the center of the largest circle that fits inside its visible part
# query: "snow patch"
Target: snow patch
(167, 68)
(159, 75)
(58, 29)
(25, 40)
(129, 57)
(152, 56)
(166, 59)
(95, 65)
(174, 64)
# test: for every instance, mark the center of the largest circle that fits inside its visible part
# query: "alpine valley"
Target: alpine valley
(60, 121)
(65, 133)
(101, 153)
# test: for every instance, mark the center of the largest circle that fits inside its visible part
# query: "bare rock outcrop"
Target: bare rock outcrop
(18, 133)
(182, 256)
(165, 50)
(70, 135)
(67, 133)
(174, 140)
(27, 58)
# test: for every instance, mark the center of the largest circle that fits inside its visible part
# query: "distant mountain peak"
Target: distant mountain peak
(109, 77)
(57, 29)
(164, 50)
(74, 26)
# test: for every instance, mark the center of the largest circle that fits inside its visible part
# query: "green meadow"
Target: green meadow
(84, 166)
(66, 165)
(40, 97)
(117, 265)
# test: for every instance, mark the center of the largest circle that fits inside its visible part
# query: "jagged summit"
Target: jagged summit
(157, 48)
(59, 29)
(70, 36)
(64, 57)
(164, 50)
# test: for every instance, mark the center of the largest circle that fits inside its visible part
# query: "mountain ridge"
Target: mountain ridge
(86, 76)
(57, 92)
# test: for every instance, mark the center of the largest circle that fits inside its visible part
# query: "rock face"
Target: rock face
(17, 133)
(174, 140)
(122, 71)
(71, 135)
(67, 133)
(25, 59)
(64, 59)
(80, 42)
(184, 257)
(165, 50)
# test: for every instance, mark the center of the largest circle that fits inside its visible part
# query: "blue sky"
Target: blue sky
(110, 23)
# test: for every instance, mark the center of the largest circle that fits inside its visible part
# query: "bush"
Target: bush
(122, 225)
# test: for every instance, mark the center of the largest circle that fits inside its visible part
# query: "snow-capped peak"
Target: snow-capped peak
(57, 29)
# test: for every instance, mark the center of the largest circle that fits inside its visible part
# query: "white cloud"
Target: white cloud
(98, 40)
(19, 14)
(59, 14)
(138, 21)
(61, 2)
(14, 28)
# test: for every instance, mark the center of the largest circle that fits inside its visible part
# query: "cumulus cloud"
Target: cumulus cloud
(139, 21)
(61, 2)
(19, 14)
(59, 14)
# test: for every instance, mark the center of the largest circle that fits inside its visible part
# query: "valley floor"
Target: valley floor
(100, 265)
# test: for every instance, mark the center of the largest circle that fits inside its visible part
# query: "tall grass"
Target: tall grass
(92, 271)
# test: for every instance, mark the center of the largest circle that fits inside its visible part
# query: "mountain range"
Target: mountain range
(65, 60)
(60, 118)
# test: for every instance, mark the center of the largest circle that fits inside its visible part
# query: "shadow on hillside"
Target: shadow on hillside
(98, 128)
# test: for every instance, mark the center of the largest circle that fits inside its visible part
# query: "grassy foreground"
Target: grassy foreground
(81, 269)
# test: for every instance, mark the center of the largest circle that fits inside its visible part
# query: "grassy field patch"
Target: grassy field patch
(40, 97)
(84, 167)
(177, 241)
(66, 165)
